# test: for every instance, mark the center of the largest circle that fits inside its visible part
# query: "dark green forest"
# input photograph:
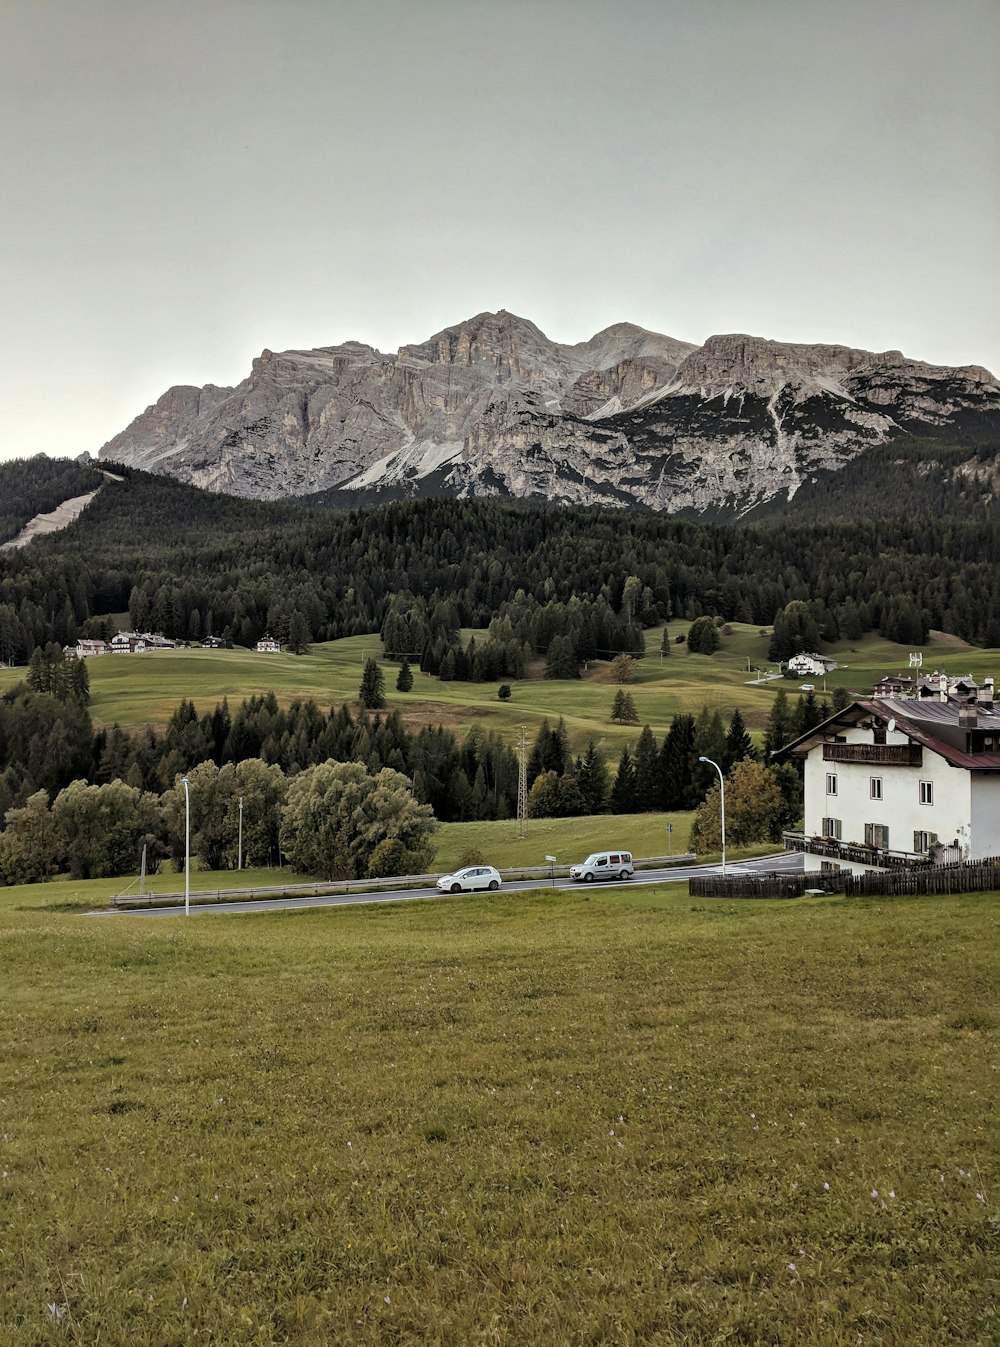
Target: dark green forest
(191, 563)
(30, 486)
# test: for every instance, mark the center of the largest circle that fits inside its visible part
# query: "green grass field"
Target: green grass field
(146, 688)
(613, 1117)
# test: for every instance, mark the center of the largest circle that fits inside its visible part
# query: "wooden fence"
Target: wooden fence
(968, 877)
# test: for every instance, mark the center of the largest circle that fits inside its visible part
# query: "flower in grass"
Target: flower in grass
(891, 1193)
(826, 1187)
(980, 1197)
(874, 1194)
(56, 1311)
(387, 1299)
(792, 1268)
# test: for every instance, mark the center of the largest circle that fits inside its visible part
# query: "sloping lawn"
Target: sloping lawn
(612, 1117)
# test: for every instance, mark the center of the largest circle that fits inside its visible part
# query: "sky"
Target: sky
(188, 182)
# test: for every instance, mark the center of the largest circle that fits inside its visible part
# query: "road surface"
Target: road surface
(788, 861)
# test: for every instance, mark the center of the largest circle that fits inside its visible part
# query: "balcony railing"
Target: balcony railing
(855, 852)
(875, 755)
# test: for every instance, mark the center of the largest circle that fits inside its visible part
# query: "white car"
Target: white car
(604, 865)
(471, 878)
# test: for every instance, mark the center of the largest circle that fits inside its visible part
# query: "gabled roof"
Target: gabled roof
(934, 725)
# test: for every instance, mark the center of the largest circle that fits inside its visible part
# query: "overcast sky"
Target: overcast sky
(189, 181)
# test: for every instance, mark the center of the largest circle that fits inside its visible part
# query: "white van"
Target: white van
(604, 865)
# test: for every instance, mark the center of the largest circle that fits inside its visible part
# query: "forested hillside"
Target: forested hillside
(30, 486)
(907, 477)
(190, 563)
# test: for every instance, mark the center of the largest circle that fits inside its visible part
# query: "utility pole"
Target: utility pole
(239, 863)
(522, 782)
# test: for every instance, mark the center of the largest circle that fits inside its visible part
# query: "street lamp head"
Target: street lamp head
(704, 759)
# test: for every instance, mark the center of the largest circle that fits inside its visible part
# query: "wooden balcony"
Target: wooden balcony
(876, 755)
(857, 852)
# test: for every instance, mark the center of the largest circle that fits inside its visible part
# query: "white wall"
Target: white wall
(900, 808)
(985, 817)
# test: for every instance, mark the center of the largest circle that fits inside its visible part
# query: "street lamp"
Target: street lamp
(187, 846)
(722, 803)
(239, 863)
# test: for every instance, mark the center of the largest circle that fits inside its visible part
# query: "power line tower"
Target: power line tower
(522, 782)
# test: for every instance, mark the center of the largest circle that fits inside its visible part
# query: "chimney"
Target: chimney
(943, 687)
(967, 717)
(986, 694)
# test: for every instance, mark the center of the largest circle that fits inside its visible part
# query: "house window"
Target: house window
(926, 794)
(923, 841)
(831, 783)
(876, 788)
(877, 835)
(832, 827)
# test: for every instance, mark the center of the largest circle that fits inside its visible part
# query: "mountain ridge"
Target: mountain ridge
(491, 406)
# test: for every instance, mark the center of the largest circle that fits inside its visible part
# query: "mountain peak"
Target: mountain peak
(492, 404)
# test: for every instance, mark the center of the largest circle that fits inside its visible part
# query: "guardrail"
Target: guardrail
(325, 888)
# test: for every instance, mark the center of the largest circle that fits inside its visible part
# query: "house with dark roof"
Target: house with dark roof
(895, 781)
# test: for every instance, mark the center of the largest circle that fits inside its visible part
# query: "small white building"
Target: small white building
(893, 782)
(268, 645)
(86, 648)
(809, 663)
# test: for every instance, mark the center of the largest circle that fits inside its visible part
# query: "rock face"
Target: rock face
(493, 407)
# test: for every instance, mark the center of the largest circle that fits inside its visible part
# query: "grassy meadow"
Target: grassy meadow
(612, 1117)
(145, 689)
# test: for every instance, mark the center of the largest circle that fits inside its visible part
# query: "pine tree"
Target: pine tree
(778, 732)
(739, 745)
(371, 694)
(404, 679)
(592, 778)
(676, 789)
(623, 797)
(298, 633)
(646, 774)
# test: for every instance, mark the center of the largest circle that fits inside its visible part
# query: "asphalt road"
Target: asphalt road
(790, 861)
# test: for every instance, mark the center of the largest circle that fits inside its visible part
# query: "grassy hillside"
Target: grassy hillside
(612, 1117)
(147, 688)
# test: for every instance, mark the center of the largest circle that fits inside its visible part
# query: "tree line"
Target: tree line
(67, 789)
(190, 564)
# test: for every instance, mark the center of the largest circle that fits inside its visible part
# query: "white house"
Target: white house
(269, 645)
(88, 649)
(808, 663)
(894, 781)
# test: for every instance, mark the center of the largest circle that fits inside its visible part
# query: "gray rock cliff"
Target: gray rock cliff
(492, 406)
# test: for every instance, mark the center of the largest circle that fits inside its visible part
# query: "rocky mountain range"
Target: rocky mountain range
(493, 407)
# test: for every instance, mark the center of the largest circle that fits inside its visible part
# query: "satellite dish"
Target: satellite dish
(891, 726)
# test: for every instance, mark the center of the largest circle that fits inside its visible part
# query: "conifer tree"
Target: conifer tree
(371, 694)
(623, 799)
(739, 745)
(404, 679)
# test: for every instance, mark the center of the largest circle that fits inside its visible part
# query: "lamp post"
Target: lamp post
(187, 846)
(722, 803)
(239, 863)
